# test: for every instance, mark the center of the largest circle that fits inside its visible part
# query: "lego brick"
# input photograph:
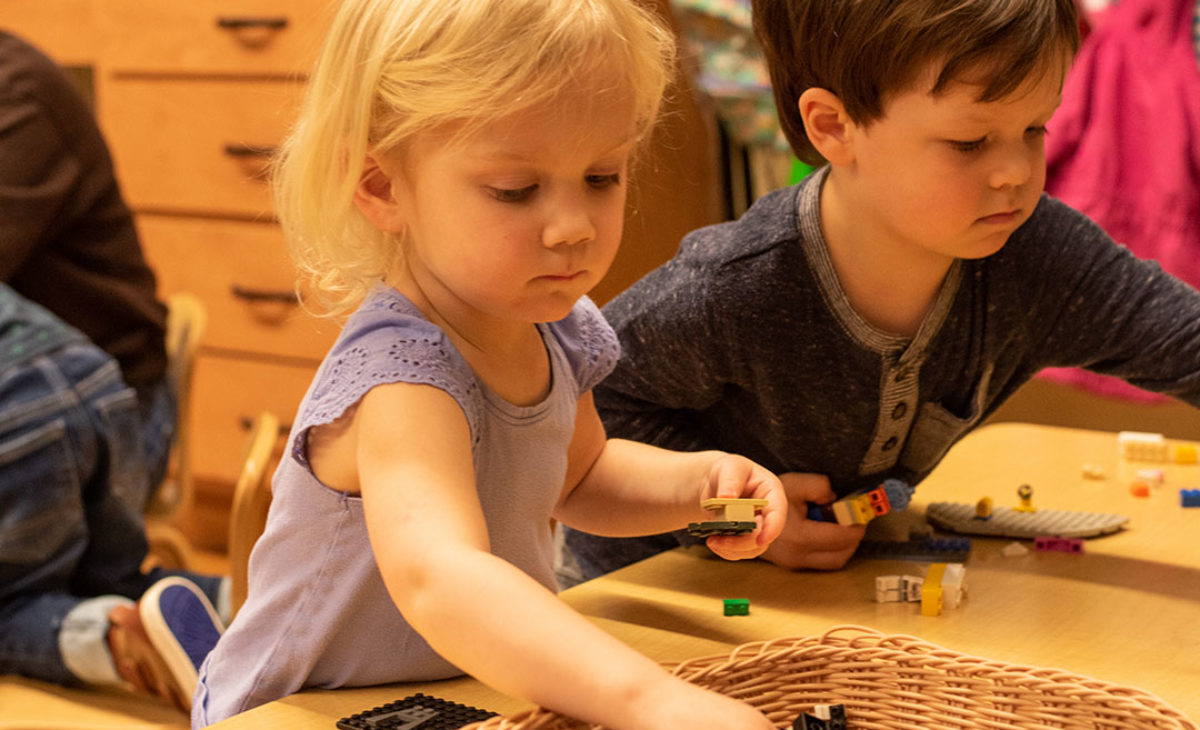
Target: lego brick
(1014, 549)
(954, 585)
(1153, 477)
(1185, 453)
(809, 722)
(887, 589)
(1139, 489)
(898, 588)
(823, 717)
(878, 499)
(1025, 494)
(1046, 543)
(861, 507)
(1141, 446)
(415, 712)
(713, 527)
(935, 549)
(931, 590)
(1007, 522)
(737, 606)
(842, 513)
(1189, 497)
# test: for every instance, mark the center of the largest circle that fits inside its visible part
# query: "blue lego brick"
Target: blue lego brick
(1189, 497)
(931, 549)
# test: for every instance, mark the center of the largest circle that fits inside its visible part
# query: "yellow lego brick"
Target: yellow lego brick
(860, 507)
(1185, 454)
(931, 590)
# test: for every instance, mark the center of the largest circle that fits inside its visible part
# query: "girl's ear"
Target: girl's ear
(376, 199)
(829, 128)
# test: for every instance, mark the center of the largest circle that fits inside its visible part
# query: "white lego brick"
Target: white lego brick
(1141, 446)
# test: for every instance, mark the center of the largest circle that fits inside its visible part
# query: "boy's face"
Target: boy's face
(949, 175)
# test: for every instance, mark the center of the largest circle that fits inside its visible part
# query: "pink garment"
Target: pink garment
(1124, 147)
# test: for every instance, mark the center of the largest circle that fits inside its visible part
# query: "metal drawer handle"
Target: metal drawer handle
(263, 295)
(246, 422)
(241, 149)
(236, 23)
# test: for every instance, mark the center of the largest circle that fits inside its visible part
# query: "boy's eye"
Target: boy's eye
(972, 145)
(512, 195)
(1037, 131)
(604, 181)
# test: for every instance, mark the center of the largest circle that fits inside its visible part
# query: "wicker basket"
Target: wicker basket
(897, 681)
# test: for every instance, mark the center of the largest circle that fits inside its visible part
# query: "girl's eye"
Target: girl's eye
(512, 195)
(604, 181)
(973, 145)
(1037, 131)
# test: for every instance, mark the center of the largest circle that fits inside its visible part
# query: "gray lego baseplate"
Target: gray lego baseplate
(1007, 522)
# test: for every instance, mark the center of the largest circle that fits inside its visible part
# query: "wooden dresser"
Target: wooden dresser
(193, 97)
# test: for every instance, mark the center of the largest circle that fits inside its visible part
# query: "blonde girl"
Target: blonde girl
(459, 175)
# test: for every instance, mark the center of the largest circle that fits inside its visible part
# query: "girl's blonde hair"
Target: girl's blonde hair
(392, 69)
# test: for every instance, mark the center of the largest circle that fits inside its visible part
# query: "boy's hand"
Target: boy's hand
(737, 477)
(805, 543)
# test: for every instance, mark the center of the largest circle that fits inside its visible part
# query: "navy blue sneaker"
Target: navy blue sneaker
(183, 627)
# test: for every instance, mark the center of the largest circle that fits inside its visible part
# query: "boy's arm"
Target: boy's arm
(621, 488)
(480, 612)
(672, 361)
(1114, 314)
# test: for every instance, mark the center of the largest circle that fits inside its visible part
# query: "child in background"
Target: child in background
(855, 326)
(461, 167)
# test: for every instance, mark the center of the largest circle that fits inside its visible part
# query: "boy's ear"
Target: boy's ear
(828, 126)
(375, 197)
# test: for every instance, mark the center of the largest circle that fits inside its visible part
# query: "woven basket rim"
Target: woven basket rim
(899, 681)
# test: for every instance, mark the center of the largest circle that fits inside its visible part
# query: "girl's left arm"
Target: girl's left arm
(623, 488)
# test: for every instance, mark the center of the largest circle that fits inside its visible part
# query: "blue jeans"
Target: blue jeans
(74, 479)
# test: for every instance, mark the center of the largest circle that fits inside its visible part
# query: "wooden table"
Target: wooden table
(1127, 610)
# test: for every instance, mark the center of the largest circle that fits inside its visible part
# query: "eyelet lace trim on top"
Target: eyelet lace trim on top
(417, 352)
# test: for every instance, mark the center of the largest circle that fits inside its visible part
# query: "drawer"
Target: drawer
(62, 29)
(196, 145)
(227, 393)
(262, 37)
(242, 273)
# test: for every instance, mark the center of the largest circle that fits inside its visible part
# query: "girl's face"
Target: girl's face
(521, 220)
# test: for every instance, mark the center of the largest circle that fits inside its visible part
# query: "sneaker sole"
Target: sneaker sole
(163, 639)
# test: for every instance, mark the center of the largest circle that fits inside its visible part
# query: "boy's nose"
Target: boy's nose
(1013, 168)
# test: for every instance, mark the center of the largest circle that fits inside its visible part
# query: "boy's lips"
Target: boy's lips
(1001, 218)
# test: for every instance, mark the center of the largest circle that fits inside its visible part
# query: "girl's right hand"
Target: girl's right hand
(687, 707)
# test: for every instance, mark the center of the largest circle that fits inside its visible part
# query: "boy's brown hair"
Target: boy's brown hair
(865, 50)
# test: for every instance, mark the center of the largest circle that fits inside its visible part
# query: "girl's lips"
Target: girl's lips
(563, 277)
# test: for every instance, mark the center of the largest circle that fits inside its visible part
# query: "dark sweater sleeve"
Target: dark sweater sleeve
(1101, 308)
(672, 359)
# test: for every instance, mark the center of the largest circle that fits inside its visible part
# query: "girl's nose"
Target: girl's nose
(570, 223)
